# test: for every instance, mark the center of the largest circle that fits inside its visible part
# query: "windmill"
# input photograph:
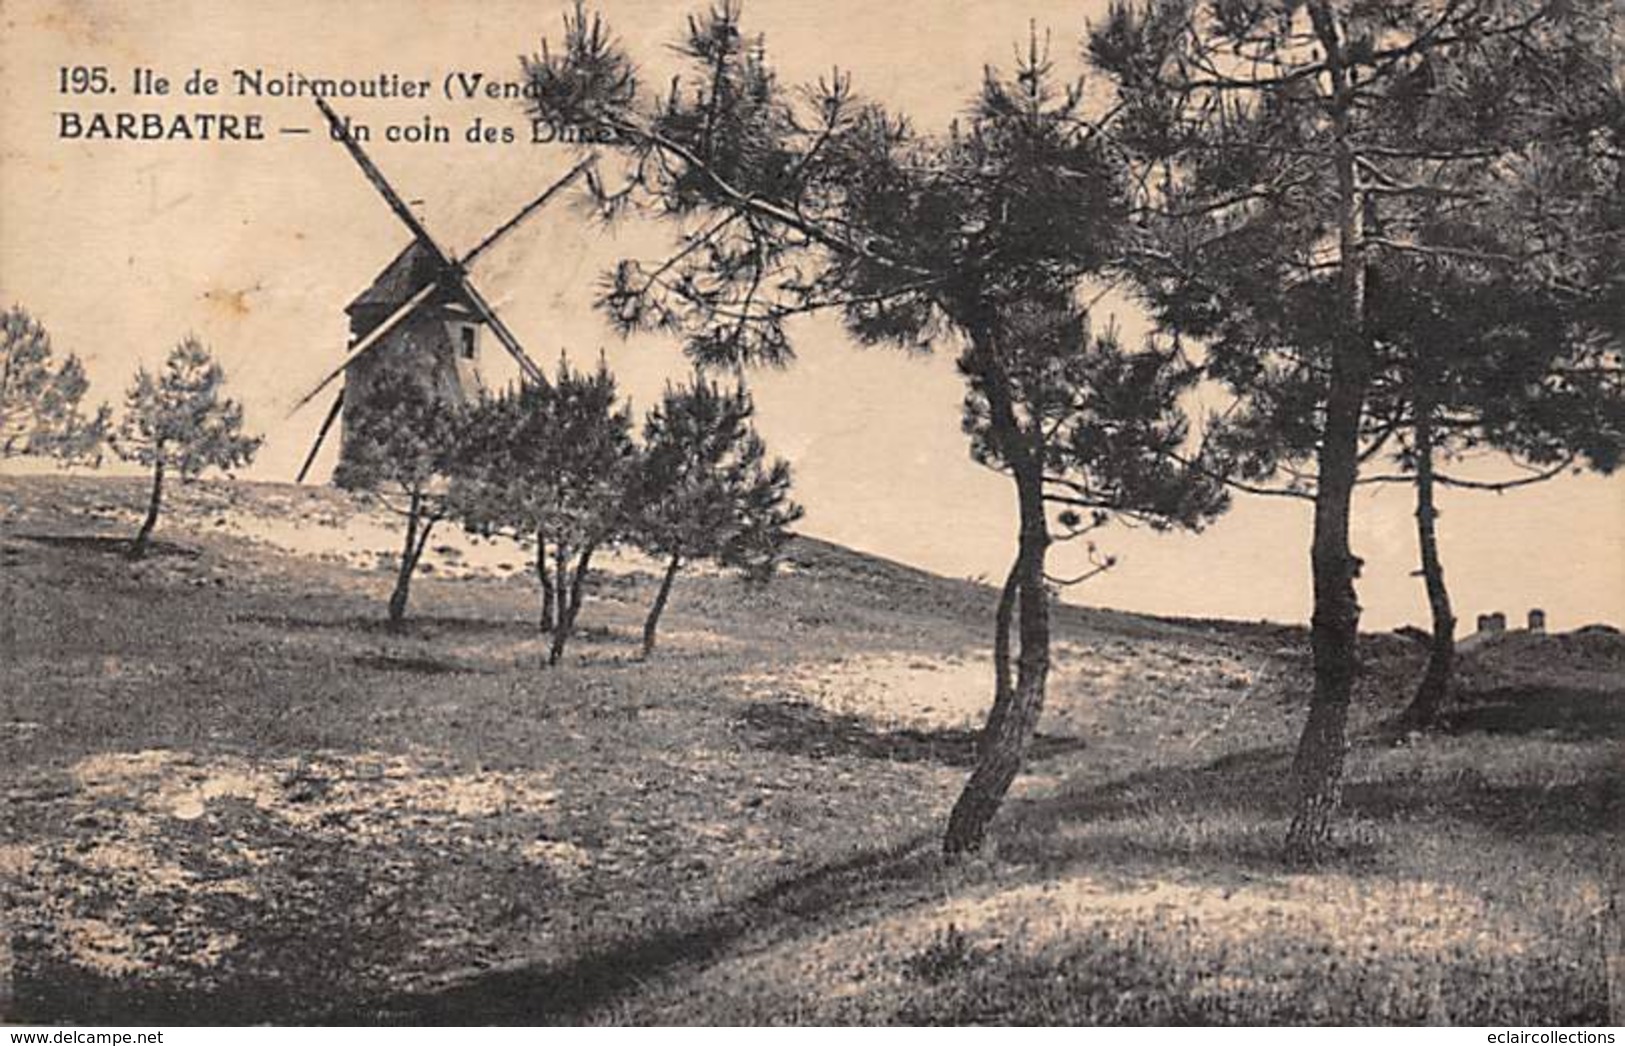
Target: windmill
(422, 311)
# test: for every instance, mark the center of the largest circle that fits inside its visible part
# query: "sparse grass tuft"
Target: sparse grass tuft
(949, 955)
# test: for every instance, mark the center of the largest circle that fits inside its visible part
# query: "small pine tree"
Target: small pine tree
(551, 461)
(40, 400)
(704, 489)
(179, 421)
(401, 447)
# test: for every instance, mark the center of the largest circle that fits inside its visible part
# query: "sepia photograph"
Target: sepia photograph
(729, 513)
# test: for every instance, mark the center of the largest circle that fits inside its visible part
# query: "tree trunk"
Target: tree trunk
(561, 582)
(652, 622)
(1317, 768)
(569, 602)
(1424, 708)
(417, 536)
(545, 622)
(1001, 634)
(1014, 718)
(138, 548)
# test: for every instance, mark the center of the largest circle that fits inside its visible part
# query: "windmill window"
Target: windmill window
(467, 334)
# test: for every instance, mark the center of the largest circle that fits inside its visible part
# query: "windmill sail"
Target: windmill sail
(379, 182)
(449, 276)
(321, 434)
(529, 209)
(372, 337)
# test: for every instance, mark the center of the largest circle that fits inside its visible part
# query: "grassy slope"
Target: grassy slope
(232, 797)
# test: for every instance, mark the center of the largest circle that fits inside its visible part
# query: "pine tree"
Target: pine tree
(1284, 152)
(705, 490)
(40, 399)
(401, 448)
(1498, 369)
(551, 461)
(179, 421)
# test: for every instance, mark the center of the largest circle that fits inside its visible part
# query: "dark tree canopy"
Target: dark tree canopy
(402, 443)
(181, 419)
(1108, 422)
(704, 488)
(1291, 159)
(551, 461)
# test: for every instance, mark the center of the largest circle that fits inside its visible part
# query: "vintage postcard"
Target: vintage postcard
(656, 512)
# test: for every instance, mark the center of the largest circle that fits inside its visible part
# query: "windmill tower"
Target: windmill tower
(421, 314)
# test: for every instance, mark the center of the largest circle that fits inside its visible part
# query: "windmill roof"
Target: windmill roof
(414, 267)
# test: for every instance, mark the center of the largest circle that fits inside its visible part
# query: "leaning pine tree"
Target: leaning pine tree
(789, 203)
(1487, 353)
(705, 490)
(1273, 142)
(179, 422)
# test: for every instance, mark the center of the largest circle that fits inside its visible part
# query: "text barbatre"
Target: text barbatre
(124, 125)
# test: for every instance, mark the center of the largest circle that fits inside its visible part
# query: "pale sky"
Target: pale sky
(122, 248)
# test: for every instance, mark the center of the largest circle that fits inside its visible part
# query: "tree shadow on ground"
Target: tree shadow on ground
(1030, 832)
(413, 665)
(571, 991)
(1521, 811)
(1558, 713)
(375, 623)
(804, 730)
(323, 933)
(1242, 791)
(1236, 807)
(110, 544)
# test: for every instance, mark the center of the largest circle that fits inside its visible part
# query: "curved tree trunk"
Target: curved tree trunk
(652, 622)
(1002, 618)
(546, 620)
(1430, 696)
(961, 836)
(1016, 710)
(138, 548)
(569, 600)
(418, 526)
(1317, 767)
(1014, 717)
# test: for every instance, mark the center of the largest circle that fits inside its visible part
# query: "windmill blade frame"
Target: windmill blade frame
(381, 184)
(529, 209)
(321, 435)
(370, 341)
(449, 265)
(452, 276)
(526, 365)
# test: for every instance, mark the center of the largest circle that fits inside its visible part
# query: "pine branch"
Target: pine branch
(793, 219)
(1493, 486)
